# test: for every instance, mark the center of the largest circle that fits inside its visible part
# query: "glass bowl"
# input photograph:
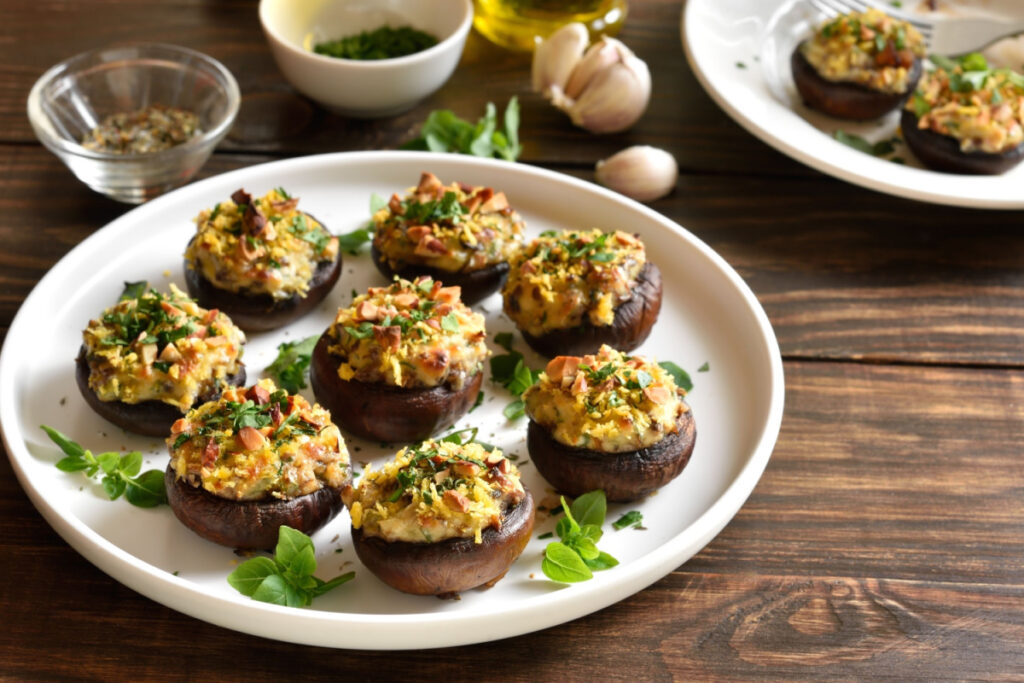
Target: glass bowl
(73, 97)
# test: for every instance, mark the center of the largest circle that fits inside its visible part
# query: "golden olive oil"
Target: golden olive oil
(516, 23)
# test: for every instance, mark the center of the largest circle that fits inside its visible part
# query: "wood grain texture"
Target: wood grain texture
(885, 538)
(274, 119)
(892, 552)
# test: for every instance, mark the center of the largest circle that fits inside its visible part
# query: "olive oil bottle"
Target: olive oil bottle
(516, 23)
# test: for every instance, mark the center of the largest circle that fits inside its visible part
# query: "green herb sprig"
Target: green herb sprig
(291, 366)
(576, 557)
(443, 131)
(510, 371)
(352, 241)
(681, 377)
(632, 519)
(882, 149)
(120, 471)
(287, 578)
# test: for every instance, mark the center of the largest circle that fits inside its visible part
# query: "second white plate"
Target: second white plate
(709, 315)
(740, 49)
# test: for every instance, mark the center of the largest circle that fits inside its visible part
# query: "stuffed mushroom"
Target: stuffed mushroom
(571, 292)
(966, 117)
(261, 260)
(441, 518)
(253, 460)
(459, 234)
(859, 65)
(402, 362)
(608, 421)
(151, 357)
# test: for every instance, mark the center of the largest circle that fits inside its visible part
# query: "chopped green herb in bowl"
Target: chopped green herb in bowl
(385, 42)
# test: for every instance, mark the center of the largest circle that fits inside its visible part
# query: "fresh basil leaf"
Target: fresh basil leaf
(586, 548)
(113, 485)
(248, 576)
(482, 145)
(70, 447)
(512, 148)
(591, 531)
(275, 590)
(515, 409)
(72, 464)
(290, 543)
(147, 490)
(561, 563)
(352, 241)
(590, 508)
(601, 562)
(522, 379)
(503, 367)
(130, 463)
(504, 340)
(108, 461)
(681, 377)
(975, 61)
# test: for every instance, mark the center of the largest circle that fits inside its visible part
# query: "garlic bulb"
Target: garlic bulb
(641, 172)
(605, 89)
(554, 58)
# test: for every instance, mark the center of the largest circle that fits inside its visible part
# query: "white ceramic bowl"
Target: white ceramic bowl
(359, 88)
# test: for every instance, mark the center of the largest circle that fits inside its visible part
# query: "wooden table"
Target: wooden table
(886, 538)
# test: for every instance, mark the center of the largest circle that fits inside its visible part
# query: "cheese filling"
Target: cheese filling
(260, 245)
(982, 108)
(562, 279)
(160, 347)
(435, 491)
(871, 49)
(454, 228)
(409, 334)
(258, 444)
(606, 402)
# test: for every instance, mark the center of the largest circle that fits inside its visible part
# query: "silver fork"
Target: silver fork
(950, 37)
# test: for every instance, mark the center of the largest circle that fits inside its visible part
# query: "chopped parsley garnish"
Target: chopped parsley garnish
(140, 322)
(386, 42)
(447, 209)
(292, 363)
(315, 235)
(510, 371)
(681, 377)
(633, 518)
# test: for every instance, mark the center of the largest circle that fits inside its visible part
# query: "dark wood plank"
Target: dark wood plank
(859, 276)
(890, 549)
(273, 119)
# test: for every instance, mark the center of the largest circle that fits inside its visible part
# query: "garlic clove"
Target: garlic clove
(598, 57)
(555, 58)
(641, 172)
(614, 99)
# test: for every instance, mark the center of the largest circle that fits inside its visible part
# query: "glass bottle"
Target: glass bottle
(516, 23)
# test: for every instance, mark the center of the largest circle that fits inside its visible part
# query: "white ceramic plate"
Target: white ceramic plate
(709, 315)
(760, 35)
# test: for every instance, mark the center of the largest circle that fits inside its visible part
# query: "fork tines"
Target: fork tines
(832, 8)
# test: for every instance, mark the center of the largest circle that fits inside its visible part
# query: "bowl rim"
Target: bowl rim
(458, 35)
(209, 137)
